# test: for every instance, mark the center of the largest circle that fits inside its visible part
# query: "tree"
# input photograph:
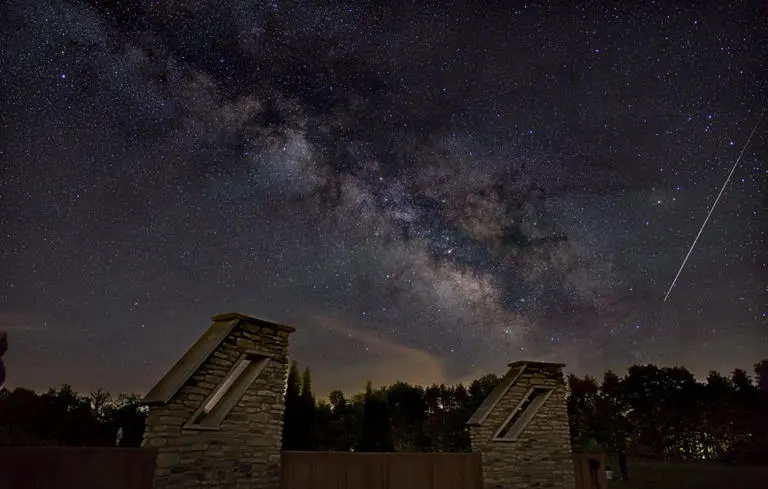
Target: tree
(615, 429)
(718, 415)
(407, 410)
(99, 400)
(650, 411)
(68, 418)
(292, 436)
(21, 412)
(307, 405)
(761, 374)
(582, 401)
(457, 407)
(480, 389)
(128, 414)
(375, 435)
(743, 383)
(341, 430)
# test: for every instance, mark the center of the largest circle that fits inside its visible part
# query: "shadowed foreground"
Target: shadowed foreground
(670, 475)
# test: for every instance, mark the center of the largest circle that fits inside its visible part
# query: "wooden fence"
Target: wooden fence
(80, 468)
(133, 468)
(590, 470)
(342, 470)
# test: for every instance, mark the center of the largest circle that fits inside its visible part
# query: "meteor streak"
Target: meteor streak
(717, 199)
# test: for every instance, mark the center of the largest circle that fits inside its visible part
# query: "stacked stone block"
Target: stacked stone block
(540, 457)
(243, 452)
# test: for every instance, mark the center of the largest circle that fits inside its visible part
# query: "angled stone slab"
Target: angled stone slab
(216, 415)
(521, 429)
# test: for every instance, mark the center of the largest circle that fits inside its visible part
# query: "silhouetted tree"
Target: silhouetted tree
(61, 417)
(292, 422)
(407, 411)
(127, 414)
(339, 423)
(582, 409)
(761, 375)
(650, 411)
(307, 404)
(480, 389)
(375, 435)
(458, 409)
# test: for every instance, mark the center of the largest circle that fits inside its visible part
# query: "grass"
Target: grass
(672, 475)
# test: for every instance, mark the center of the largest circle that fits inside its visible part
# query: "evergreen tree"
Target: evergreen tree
(292, 415)
(308, 413)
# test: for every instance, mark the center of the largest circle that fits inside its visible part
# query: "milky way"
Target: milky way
(426, 193)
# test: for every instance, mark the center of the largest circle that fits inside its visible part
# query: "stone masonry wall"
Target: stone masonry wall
(541, 456)
(245, 451)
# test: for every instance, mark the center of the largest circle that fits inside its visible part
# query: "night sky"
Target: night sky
(426, 192)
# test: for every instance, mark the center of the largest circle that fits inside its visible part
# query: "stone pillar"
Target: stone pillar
(216, 417)
(521, 430)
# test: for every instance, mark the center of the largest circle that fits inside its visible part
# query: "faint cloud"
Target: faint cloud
(16, 321)
(381, 360)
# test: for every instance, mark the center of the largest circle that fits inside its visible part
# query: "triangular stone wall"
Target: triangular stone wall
(522, 430)
(216, 416)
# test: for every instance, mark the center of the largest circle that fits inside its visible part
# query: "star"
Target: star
(451, 191)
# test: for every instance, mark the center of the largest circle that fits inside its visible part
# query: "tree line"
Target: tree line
(650, 412)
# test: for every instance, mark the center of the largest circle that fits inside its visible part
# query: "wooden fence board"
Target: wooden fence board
(414, 472)
(363, 471)
(342, 470)
(83, 468)
(457, 471)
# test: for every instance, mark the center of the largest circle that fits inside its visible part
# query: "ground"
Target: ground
(667, 475)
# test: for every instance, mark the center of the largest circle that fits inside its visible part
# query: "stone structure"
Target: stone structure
(216, 416)
(521, 430)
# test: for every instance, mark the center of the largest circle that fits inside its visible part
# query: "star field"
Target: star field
(426, 192)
